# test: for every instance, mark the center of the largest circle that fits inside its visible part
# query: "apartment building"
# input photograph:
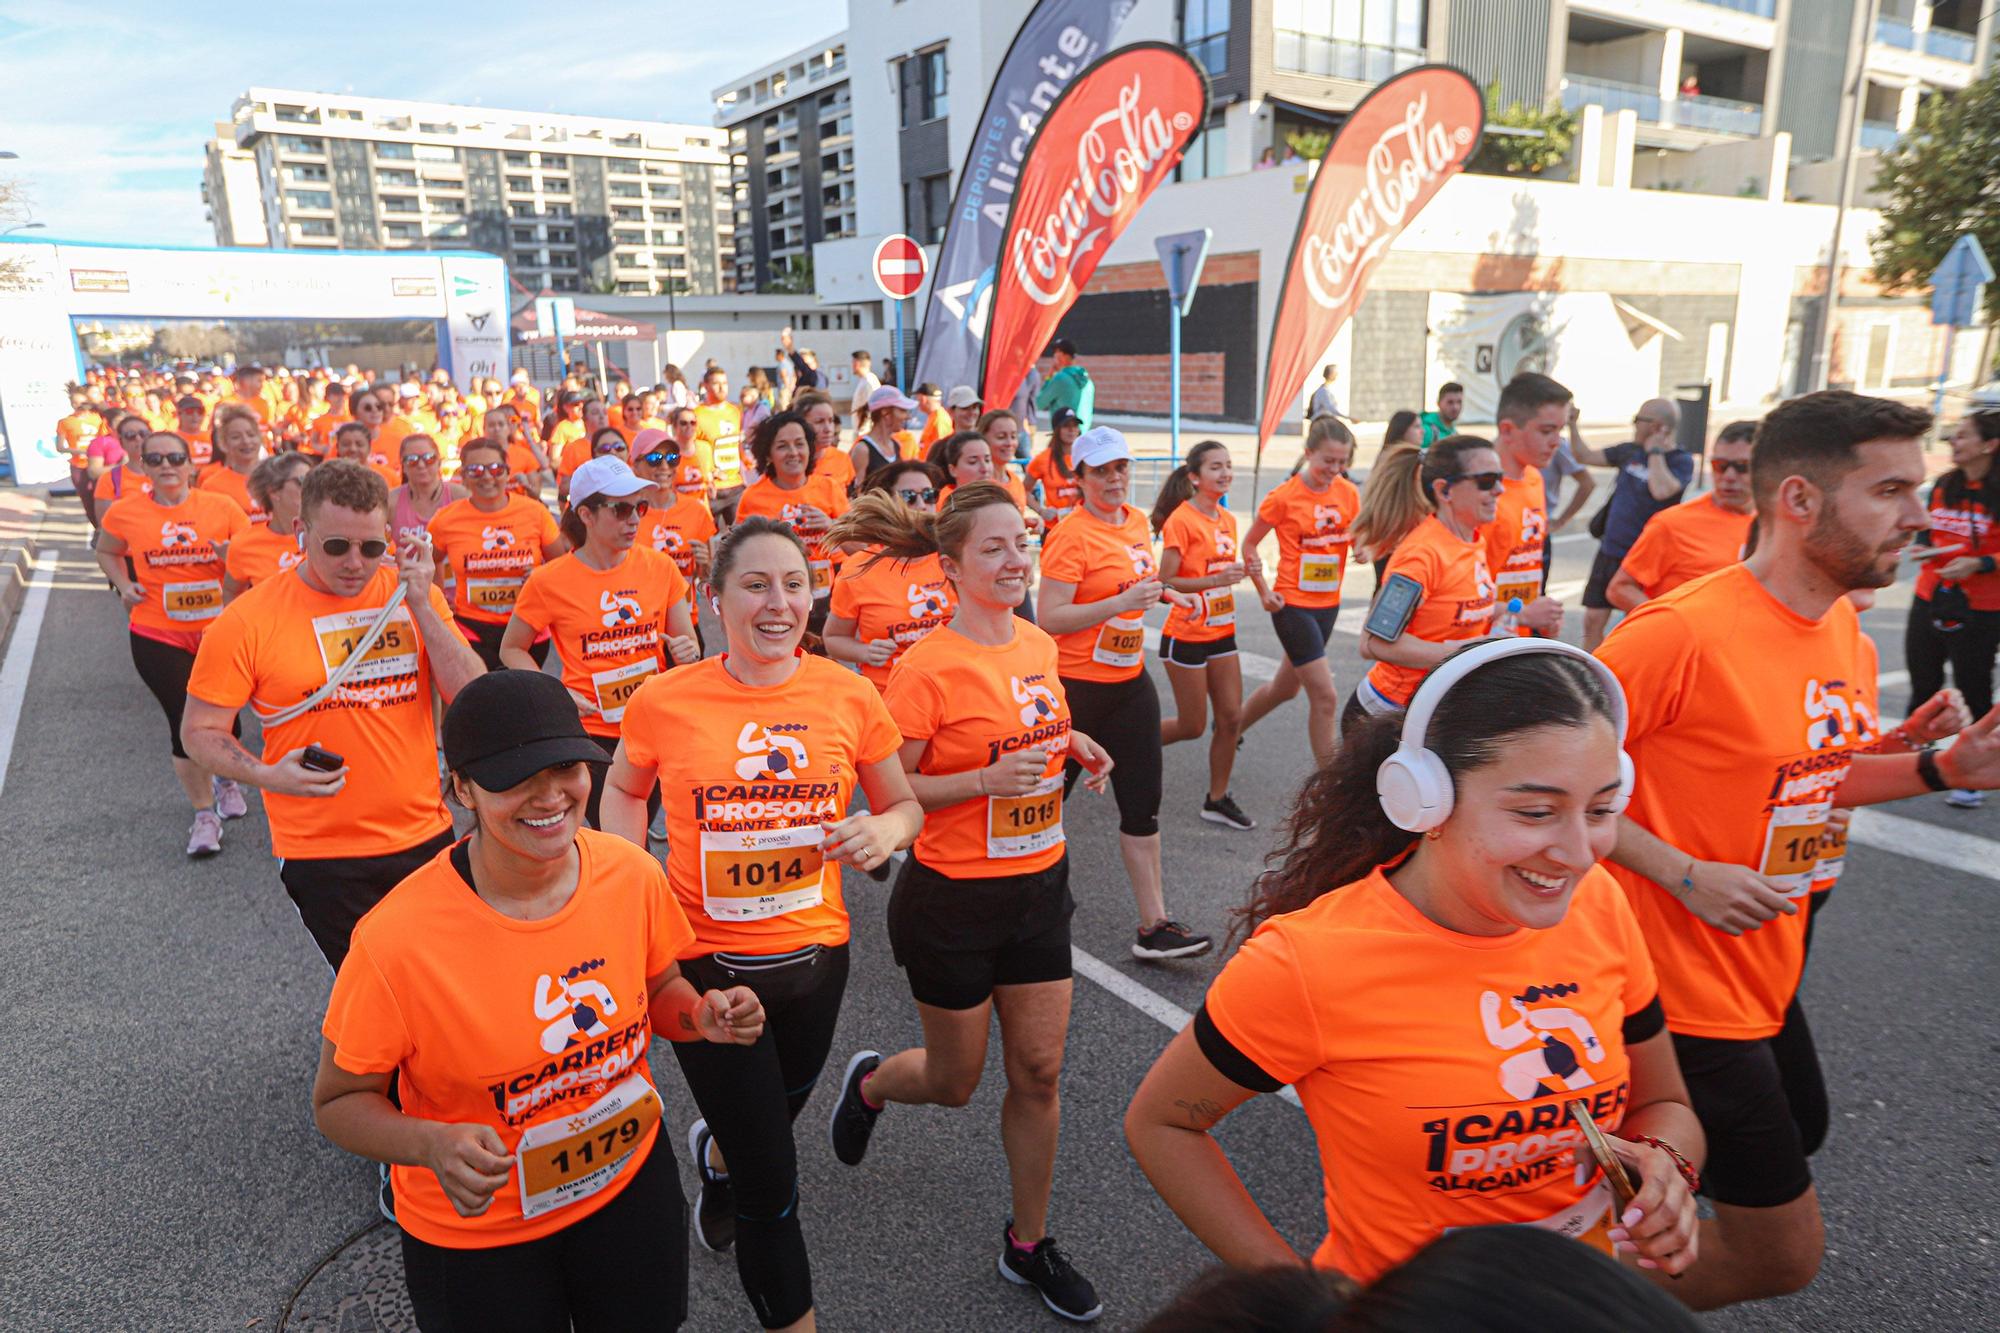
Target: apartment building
(790, 128)
(573, 203)
(229, 190)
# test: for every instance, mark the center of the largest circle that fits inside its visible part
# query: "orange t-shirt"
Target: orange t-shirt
(389, 440)
(823, 493)
(1101, 560)
(938, 427)
(320, 437)
(1514, 541)
(1681, 544)
(696, 464)
(1204, 543)
(491, 553)
(178, 554)
(1434, 1066)
(201, 448)
(1059, 493)
(1745, 719)
(75, 432)
(118, 482)
(1313, 539)
(833, 462)
(899, 600)
(747, 776)
(275, 645)
(258, 404)
(720, 427)
(222, 479)
(970, 703)
(490, 1020)
(1457, 599)
(609, 626)
(561, 435)
(675, 531)
(260, 554)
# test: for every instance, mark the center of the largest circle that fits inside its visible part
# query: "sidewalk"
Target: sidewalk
(20, 529)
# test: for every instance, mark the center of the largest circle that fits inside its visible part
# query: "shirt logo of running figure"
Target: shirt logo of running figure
(1225, 546)
(1038, 701)
(1833, 720)
(618, 608)
(925, 602)
(492, 539)
(669, 541)
(1540, 1061)
(576, 1002)
(1142, 559)
(769, 753)
(1327, 518)
(177, 534)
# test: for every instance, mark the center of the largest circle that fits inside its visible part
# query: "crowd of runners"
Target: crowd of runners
(795, 636)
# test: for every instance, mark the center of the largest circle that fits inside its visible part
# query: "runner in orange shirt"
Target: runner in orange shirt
(696, 478)
(319, 435)
(241, 440)
(371, 414)
(349, 767)
(191, 424)
(586, 444)
(931, 414)
(269, 548)
(176, 541)
(829, 459)
(979, 919)
(881, 607)
(528, 465)
(1199, 556)
(247, 387)
(757, 755)
(1445, 594)
(719, 425)
(492, 540)
(617, 612)
(1098, 581)
(787, 489)
(74, 433)
(1533, 413)
(351, 444)
(1681, 544)
(1747, 711)
(1439, 968)
(677, 525)
(507, 991)
(1051, 470)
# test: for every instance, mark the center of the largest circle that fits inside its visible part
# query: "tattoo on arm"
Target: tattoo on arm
(1201, 1114)
(687, 1021)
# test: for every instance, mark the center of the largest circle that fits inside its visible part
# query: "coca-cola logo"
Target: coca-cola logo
(1117, 154)
(1401, 168)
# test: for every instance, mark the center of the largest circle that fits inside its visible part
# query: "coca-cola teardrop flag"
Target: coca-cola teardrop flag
(1106, 144)
(1391, 157)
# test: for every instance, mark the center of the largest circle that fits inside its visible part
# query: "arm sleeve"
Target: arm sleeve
(1260, 1006)
(667, 930)
(913, 703)
(224, 674)
(677, 588)
(531, 606)
(545, 524)
(646, 717)
(1231, 1063)
(1652, 654)
(1175, 536)
(1681, 464)
(363, 1020)
(880, 738)
(1062, 556)
(1646, 562)
(1271, 509)
(845, 603)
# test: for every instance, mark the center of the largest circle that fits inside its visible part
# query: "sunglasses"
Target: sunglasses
(685, 423)
(484, 470)
(928, 495)
(139, 434)
(1727, 465)
(164, 460)
(621, 510)
(1485, 481)
(613, 448)
(419, 458)
(373, 548)
(658, 457)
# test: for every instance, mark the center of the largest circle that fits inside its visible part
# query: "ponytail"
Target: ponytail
(900, 532)
(1392, 502)
(1178, 488)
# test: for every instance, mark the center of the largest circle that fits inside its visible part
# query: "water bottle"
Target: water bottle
(1510, 619)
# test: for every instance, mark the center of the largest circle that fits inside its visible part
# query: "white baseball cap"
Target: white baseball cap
(520, 377)
(1094, 448)
(890, 396)
(963, 396)
(407, 390)
(606, 475)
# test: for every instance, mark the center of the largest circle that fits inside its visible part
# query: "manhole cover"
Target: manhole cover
(357, 1289)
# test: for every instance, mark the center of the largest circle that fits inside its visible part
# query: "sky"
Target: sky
(109, 105)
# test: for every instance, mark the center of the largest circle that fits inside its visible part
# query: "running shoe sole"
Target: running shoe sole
(1217, 817)
(698, 1154)
(1144, 953)
(854, 1062)
(1088, 1316)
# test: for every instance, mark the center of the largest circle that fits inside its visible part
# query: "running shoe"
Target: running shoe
(385, 1193)
(205, 834)
(1169, 939)
(715, 1209)
(853, 1119)
(230, 802)
(1226, 811)
(1958, 798)
(657, 830)
(1048, 1270)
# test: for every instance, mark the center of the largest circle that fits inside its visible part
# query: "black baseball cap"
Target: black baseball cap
(506, 726)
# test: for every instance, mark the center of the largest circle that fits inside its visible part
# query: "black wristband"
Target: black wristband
(1927, 769)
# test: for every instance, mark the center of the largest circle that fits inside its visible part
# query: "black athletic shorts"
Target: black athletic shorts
(1749, 1112)
(1602, 568)
(1189, 653)
(959, 938)
(1303, 631)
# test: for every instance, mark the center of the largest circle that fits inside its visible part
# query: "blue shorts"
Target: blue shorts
(1304, 630)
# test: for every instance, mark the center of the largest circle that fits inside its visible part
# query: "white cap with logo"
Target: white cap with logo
(606, 475)
(1096, 447)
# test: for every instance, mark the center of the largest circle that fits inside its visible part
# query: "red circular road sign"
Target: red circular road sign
(899, 267)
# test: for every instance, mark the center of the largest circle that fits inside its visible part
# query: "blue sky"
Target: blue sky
(109, 104)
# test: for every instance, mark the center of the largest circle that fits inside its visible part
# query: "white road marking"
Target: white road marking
(21, 658)
(1892, 680)
(1948, 848)
(1147, 1002)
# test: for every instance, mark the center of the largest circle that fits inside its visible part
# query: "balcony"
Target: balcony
(1763, 9)
(1958, 47)
(1579, 90)
(1896, 33)
(1724, 115)
(1312, 53)
(1878, 135)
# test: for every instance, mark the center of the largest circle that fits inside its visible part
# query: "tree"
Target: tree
(13, 207)
(1310, 144)
(795, 278)
(1548, 134)
(1940, 181)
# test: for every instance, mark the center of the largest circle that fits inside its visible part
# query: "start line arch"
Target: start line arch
(464, 293)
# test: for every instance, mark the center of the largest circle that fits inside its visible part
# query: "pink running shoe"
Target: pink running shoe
(229, 799)
(205, 836)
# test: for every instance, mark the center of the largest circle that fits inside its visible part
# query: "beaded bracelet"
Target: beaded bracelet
(1686, 1168)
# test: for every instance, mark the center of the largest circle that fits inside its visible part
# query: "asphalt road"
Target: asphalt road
(161, 1171)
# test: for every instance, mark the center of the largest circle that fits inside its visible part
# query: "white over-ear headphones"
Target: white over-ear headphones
(1413, 784)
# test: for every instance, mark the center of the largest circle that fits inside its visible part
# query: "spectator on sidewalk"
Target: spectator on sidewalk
(1324, 402)
(1070, 386)
(1023, 408)
(1653, 473)
(1437, 425)
(866, 381)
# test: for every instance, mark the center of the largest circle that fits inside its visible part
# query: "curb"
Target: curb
(21, 516)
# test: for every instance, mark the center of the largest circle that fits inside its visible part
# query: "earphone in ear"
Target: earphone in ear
(1413, 784)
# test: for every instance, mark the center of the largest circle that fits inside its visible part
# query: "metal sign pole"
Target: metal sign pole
(1174, 353)
(899, 350)
(1944, 370)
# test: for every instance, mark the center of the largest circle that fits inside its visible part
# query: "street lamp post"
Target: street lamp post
(24, 226)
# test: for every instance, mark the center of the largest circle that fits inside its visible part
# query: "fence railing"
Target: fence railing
(1580, 90)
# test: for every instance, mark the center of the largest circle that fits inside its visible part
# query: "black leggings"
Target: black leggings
(485, 638)
(1125, 719)
(1969, 649)
(165, 668)
(624, 1267)
(751, 1094)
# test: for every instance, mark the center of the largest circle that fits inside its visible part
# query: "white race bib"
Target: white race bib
(1792, 845)
(1024, 825)
(1320, 571)
(616, 686)
(200, 600)
(1218, 608)
(747, 875)
(495, 595)
(1121, 642)
(1525, 584)
(574, 1156)
(394, 653)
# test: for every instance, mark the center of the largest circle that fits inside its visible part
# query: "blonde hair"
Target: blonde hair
(879, 519)
(1392, 502)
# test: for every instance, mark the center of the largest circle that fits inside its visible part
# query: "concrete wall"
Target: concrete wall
(1751, 168)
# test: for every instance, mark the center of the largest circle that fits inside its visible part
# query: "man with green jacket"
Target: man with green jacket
(1069, 386)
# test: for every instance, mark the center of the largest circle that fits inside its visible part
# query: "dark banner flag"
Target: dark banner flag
(1107, 144)
(1056, 41)
(1391, 157)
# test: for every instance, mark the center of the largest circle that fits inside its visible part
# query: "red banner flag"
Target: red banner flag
(1107, 143)
(1391, 157)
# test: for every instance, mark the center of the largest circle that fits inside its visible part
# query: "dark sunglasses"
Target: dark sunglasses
(1485, 481)
(139, 434)
(928, 495)
(484, 470)
(614, 447)
(619, 509)
(373, 548)
(657, 457)
(164, 460)
(1730, 465)
(419, 458)
(685, 422)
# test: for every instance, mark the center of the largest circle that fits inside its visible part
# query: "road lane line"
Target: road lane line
(21, 658)
(1952, 850)
(1893, 680)
(1150, 1003)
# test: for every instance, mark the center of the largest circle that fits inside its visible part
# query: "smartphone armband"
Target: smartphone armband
(1394, 605)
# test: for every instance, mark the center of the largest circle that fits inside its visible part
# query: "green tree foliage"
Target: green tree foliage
(794, 277)
(1310, 144)
(1543, 147)
(1941, 179)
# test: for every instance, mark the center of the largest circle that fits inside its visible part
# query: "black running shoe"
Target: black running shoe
(853, 1119)
(715, 1209)
(1047, 1269)
(385, 1193)
(1169, 939)
(1226, 811)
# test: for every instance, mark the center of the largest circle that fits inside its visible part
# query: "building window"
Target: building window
(1205, 34)
(309, 198)
(1207, 155)
(520, 185)
(401, 152)
(556, 160)
(399, 203)
(402, 231)
(933, 206)
(304, 172)
(1367, 40)
(562, 236)
(405, 178)
(292, 143)
(517, 159)
(555, 185)
(313, 227)
(523, 235)
(924, 86)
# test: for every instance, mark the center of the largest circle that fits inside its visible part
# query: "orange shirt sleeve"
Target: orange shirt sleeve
(1649, 557)
(668, 933)
(1652, 654)
(363, 1020)
(532, 608)
(1262, 1006)
(1063, 556)
(223, 673)
(915, 706)
(1642, 984)
(845, 603)
(880, 737)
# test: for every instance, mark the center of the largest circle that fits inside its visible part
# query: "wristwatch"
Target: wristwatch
(1927, 769)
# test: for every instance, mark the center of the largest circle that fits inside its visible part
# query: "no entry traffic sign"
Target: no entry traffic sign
(899, 267)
